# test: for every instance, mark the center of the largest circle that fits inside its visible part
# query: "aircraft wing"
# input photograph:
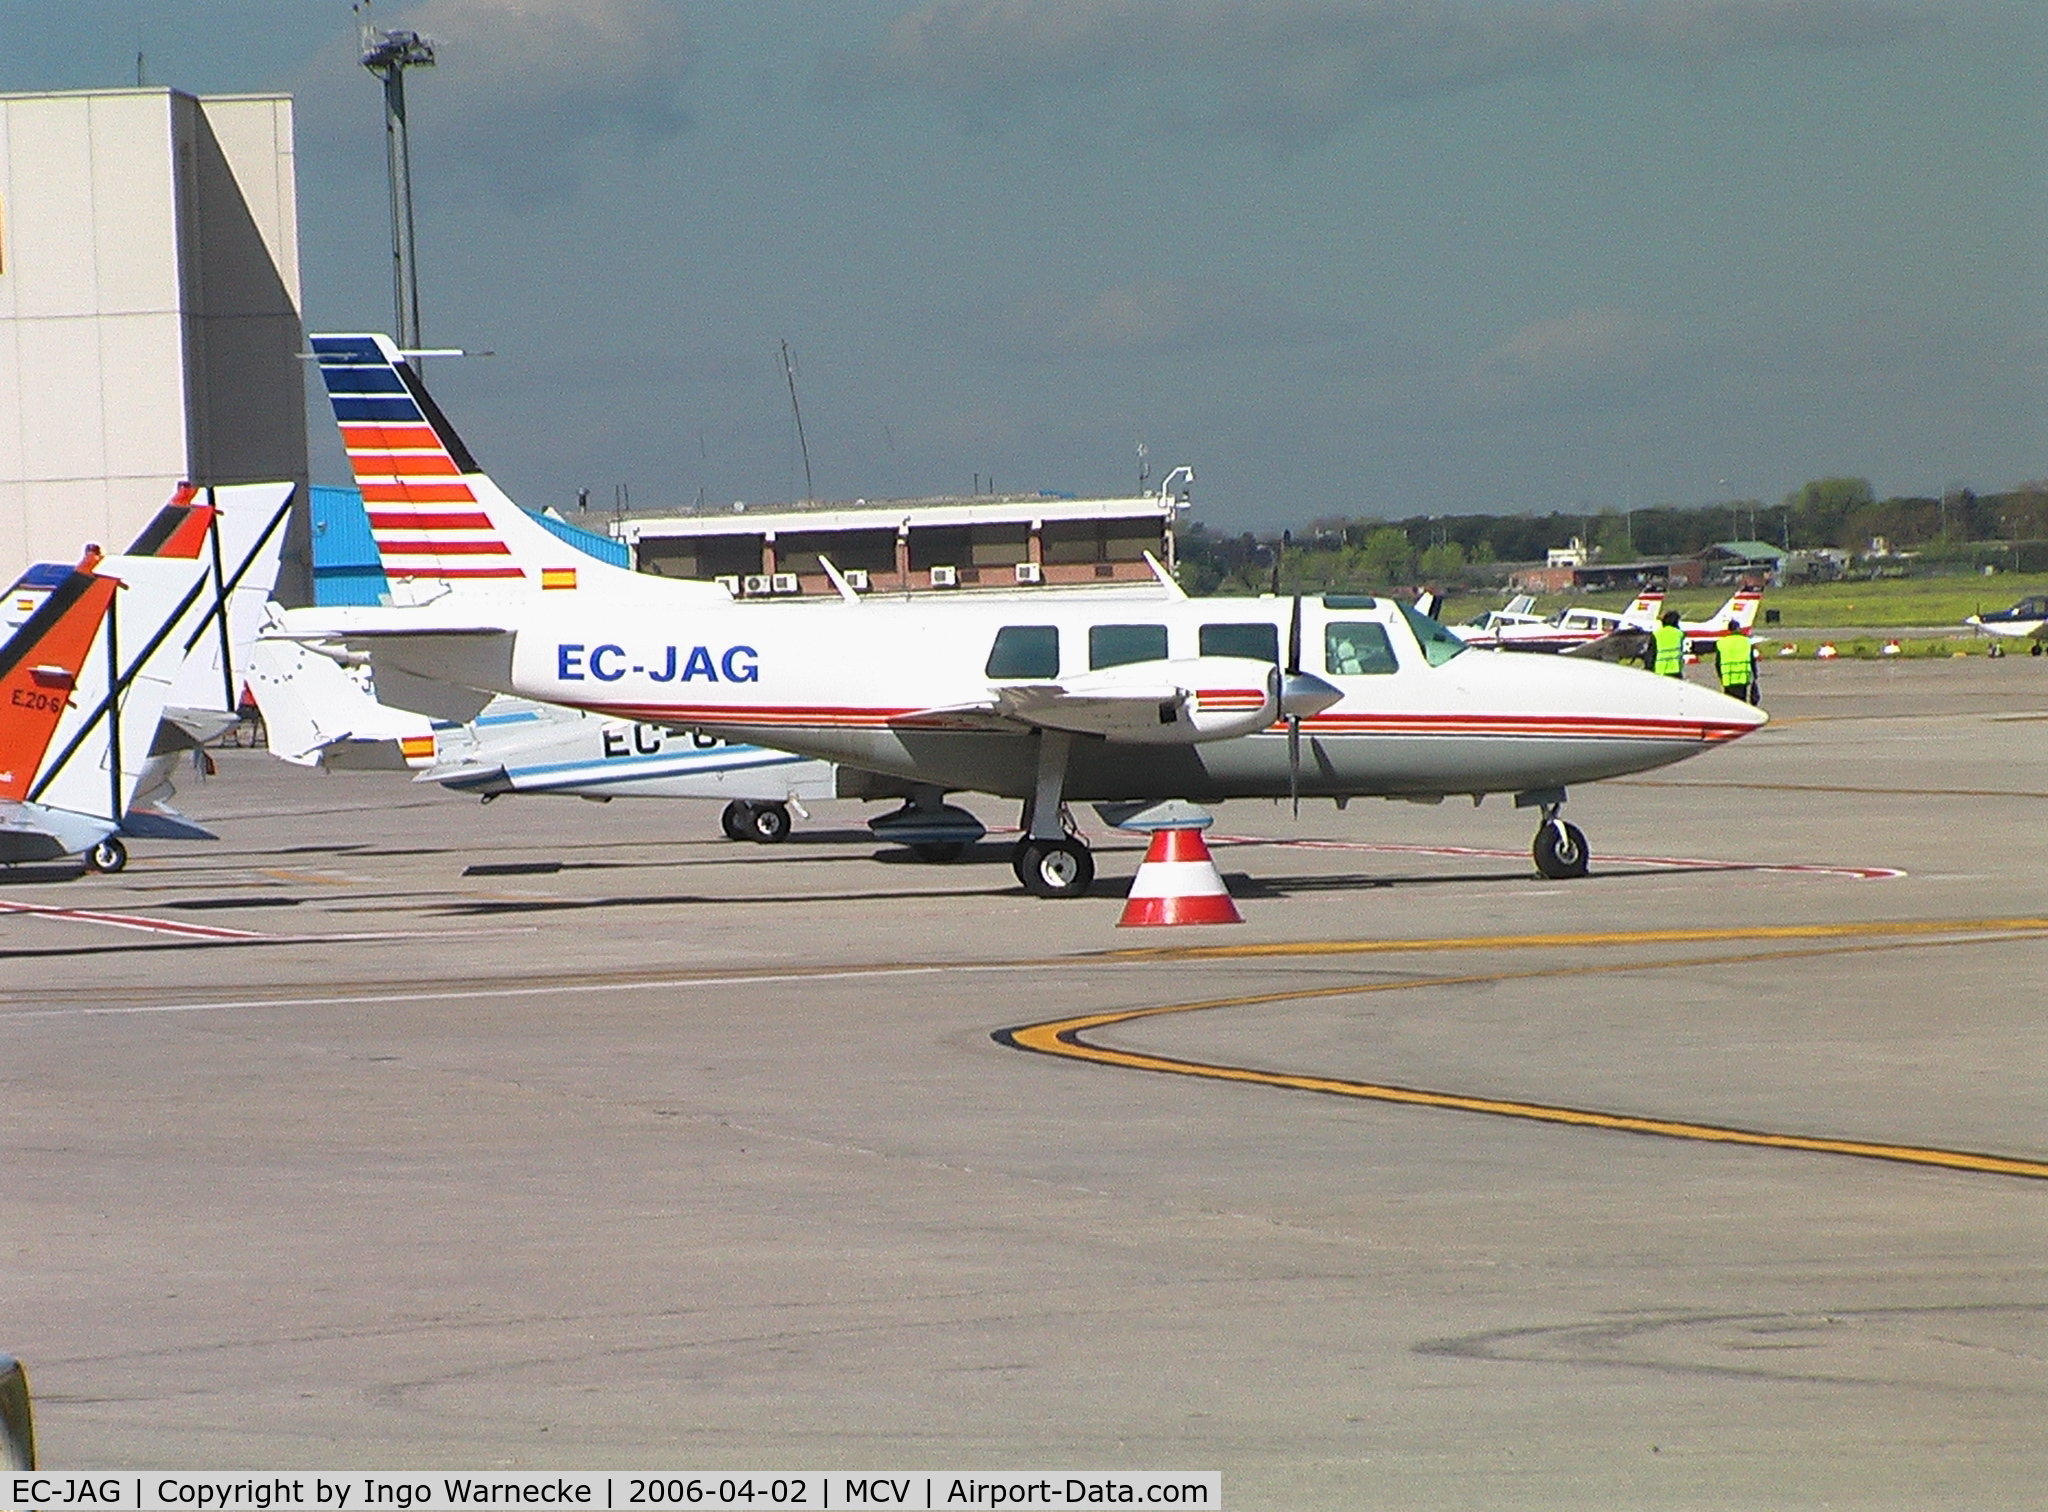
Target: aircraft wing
(1133, 713)
(1623, 645)
(1146, 703)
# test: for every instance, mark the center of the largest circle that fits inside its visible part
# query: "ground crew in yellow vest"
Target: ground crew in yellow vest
(1735, 656)
(1668, 647)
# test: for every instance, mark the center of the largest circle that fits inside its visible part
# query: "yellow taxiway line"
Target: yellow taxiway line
(1064, 1037)
(1877, 928)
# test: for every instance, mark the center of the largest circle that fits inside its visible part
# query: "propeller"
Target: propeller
(1293, 717)
(1300, 694)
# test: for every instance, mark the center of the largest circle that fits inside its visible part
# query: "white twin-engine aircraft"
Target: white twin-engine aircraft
(1049, 701)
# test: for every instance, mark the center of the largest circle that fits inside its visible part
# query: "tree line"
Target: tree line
(1961, 526)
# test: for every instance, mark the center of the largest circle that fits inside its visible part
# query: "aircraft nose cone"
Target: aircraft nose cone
(1303, 694)
(1723, 717)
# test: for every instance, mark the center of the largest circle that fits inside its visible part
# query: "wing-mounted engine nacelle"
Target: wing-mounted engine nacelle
(1183, 702)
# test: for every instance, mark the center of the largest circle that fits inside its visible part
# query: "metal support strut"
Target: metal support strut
(1042, 816)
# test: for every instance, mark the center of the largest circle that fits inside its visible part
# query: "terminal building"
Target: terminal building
(914, 545)
(149, 313)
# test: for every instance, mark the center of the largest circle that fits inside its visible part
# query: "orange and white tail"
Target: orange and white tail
(441, 525)
(40, 667)
(1642, 614)
(107, 723)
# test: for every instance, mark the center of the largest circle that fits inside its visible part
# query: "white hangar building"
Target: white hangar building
(149, 312)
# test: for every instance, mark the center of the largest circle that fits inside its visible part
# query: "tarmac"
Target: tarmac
(396, 1131)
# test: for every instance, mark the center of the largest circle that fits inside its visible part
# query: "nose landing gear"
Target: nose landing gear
(1560, 848)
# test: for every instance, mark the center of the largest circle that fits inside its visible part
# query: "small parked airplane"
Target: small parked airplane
(2026, 620)
(1513, 629)
(1127, 704)
(319, 713)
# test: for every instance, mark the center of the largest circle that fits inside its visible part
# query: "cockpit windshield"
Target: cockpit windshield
(1438, 644)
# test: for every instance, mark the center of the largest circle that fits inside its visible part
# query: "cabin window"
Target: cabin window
(1025, 651)
(1438, 644)
(1252, 642)
(1120, 645)
(1357, 648)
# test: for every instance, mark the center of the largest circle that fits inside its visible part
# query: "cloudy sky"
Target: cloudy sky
(1344, 256)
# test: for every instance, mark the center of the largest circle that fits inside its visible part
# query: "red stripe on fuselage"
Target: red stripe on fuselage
(1439, 725)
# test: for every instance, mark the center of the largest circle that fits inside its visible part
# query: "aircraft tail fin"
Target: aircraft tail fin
(1741, 608)
(241, 552)
(441, 525)
(177, 529)
(98, 752)
(40, 667)
(1642, 614)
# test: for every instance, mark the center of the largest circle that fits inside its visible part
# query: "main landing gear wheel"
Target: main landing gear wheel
(1561, 852)
(109, 856)
(768, 823)
(765, 822)
(1054, 868)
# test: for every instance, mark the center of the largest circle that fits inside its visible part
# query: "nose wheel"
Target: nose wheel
(1053, 868)
(1560, 849)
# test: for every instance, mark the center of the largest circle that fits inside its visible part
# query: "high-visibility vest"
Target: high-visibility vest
(1670, 643)
(1733, 654)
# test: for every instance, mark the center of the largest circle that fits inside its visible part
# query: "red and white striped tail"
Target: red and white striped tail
(419, 484)
(1178, 884)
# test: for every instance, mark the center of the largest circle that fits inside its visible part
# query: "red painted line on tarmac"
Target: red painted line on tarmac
(130, 921)
(1676, 863)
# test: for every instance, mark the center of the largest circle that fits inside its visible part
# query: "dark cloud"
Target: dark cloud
(1292, 73)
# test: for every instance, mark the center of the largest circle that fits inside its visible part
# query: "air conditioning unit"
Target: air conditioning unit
(756, 583)
(856, 579)
(785, 582)
(729, 582)
(1030, 572)
(945, 577)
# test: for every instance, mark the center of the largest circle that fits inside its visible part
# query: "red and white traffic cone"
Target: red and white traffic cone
(1178, 884)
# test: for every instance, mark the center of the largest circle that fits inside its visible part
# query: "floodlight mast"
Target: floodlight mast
(388, 54)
